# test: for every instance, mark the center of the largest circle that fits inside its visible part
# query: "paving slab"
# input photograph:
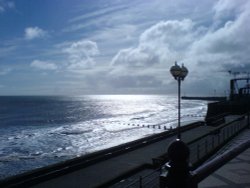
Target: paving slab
(236, 173)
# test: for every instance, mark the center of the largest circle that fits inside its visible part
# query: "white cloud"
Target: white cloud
(213, 48)
(80, 54)
(7, 50)
(1, 9)
(34, 32)
(5, 5)
(225, 10)
(43, 65)
(158, 43)
(141, 46)
(101, 12)
(82, 48)
(228, 45)
(4, 71)
(78, 58)
(134, 57)
(11, 4)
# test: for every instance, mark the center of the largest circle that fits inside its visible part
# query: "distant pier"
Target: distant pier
(204, 98)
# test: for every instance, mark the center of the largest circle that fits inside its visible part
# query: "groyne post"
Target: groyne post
(198, 151)
(140, 182)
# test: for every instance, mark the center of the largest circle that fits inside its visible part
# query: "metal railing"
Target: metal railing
(200, 149)
(147, 181)
(205, 170)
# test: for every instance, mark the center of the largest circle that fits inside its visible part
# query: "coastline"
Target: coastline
(51, 171)
(48, 130)
(114, 167)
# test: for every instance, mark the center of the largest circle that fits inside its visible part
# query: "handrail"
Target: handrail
(211, 142)
(208, 168)
(220, 127)
(211, 132)
(143, 177)
(234, 130)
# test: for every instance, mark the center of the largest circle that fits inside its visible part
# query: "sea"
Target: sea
(36, 131)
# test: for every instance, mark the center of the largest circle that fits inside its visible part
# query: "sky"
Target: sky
(79, 47)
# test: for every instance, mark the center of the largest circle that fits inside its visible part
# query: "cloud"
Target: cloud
(5, 5)
(134, 57)
(102, 12)
(205, 49)
(158, 43)
(136, 81)
(80, 54)
(97, 16)
(1, 9)
(43, 65)
(11, 4)
(78, 57)
(159, 46)
(141, 46)
(228, 46)
(31, 33)
(4, 71)
(225, 10)
(7, 50)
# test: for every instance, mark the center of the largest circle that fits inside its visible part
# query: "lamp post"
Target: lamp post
(179, 73)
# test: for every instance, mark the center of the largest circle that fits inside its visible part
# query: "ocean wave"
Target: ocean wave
(123, 129)
(12, 158)
(74, 132)
(80, 127)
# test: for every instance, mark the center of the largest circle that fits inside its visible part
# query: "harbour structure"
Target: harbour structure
(238, 103)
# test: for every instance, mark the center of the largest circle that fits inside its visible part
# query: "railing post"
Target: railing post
(206, 147)
(223, 135)
(213, 142)
(248, 123)
(218, 139)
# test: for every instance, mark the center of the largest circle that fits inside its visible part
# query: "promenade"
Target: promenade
(104, 171)
(234, 174)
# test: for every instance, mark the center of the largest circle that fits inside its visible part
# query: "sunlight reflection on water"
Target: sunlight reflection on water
(40, 131)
